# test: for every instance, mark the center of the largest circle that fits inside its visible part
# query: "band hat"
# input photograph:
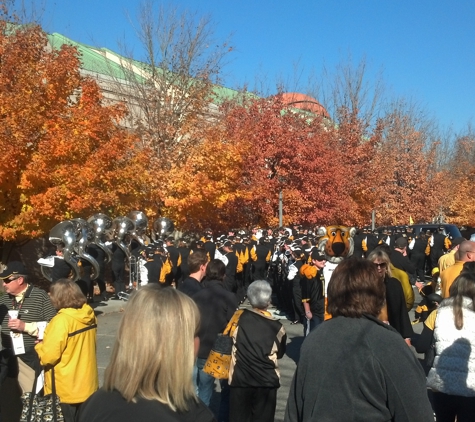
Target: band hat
(13, 268)
(400, 243)
(316, 255)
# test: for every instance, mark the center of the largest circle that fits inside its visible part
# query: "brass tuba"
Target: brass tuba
(64, 233)
(99, 224)
(84, 236)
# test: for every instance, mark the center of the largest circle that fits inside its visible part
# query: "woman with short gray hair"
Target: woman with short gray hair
(259, 340)
(259, 294)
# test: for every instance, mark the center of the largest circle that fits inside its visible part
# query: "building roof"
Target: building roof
(304, 102)
(104, 63)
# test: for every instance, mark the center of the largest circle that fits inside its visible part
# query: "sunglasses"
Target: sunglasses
(10, 279)
(381, 265)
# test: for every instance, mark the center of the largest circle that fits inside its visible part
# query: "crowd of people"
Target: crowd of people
(356, 362)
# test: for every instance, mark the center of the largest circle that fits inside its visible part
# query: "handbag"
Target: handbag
(219, 358)
(41, 408)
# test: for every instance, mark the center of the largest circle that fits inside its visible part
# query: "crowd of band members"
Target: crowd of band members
(287, 257)
(274, 254)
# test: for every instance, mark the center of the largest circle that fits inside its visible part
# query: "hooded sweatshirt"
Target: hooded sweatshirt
(69, 345)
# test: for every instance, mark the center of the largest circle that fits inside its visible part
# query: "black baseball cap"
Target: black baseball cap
(316, 255)
(13, 268)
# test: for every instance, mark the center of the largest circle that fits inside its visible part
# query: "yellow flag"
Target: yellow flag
(411, 221)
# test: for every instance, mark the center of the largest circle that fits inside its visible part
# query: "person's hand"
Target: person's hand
(419, 285)
(308, 315)
(408, 341)
(16, 324)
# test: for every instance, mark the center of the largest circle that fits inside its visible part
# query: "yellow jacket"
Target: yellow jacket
(448, 276)
(72, 353)
(406, 286)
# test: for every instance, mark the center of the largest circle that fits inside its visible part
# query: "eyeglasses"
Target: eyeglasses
(10, 279)
(380, 265)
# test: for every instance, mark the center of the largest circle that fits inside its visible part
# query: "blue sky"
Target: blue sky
(425, 48)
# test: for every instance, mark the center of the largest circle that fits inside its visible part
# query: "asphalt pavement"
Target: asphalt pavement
(109, 314)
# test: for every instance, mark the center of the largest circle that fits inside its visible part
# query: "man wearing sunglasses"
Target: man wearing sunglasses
(21, 308)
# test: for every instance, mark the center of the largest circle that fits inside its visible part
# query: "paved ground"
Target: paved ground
(109, 315)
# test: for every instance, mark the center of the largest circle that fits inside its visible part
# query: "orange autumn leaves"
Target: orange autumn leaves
(65, 154)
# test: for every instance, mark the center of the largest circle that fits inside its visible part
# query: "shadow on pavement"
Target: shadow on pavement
(293, 348)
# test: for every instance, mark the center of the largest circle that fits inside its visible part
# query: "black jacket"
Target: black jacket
(189, 286)
(104, 406)
(61, 269)
(259, 341)
(397, 310)
(357, 370)
(402, 262)
(217, 305)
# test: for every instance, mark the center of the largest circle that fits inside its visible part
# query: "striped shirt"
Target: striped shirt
(33, 307)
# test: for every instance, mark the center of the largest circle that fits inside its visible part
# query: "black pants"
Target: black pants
(252, 404)
(434, 258)
(70, 411)
(118, 272)
(297, 299)
(448, 407)
(259, 271)
(419, 261)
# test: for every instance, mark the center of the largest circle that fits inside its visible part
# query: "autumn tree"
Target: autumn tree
(198, 192)
(170, 86)
(352, 88)
(459, 202)
(284, 150)
(404, 172)
(63, 151)
(352, 147)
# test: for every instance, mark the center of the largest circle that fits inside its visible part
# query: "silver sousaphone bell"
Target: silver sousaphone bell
(163, 226)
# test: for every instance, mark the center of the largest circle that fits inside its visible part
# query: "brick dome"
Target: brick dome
(304, 102)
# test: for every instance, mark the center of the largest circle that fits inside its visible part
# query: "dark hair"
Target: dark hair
(384, 247)
(355, 288)
(463, 286)
(468, 267)
(216, 270)
(196, 260)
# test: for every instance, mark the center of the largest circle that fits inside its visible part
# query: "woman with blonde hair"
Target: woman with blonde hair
(69, 347)
(149, 377)
(395, 311)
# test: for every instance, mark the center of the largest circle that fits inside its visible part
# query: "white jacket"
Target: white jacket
(453, 371)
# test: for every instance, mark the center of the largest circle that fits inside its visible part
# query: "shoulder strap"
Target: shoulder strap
(82, 330)
(233, 322)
